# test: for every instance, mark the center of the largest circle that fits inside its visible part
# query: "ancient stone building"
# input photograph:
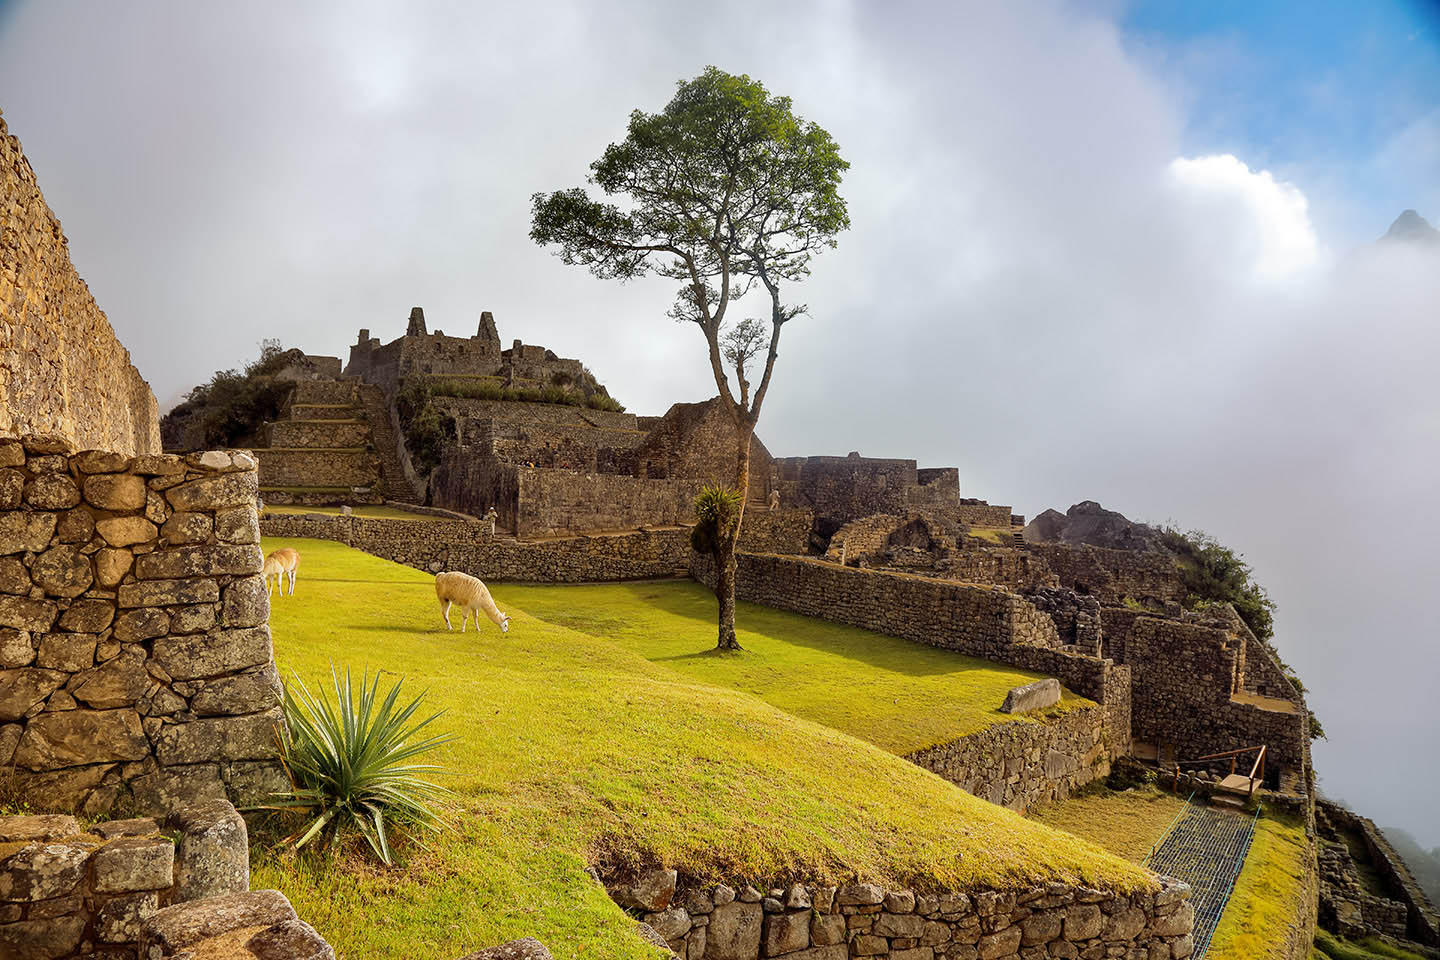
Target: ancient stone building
(62, 371)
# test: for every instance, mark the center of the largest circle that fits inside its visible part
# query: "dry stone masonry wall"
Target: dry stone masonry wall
(62, 371)
(135, 654)
(809, 922)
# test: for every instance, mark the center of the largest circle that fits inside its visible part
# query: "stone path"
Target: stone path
(1206, 848)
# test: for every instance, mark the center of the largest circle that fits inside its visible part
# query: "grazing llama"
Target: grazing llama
(471, 596)
(280, 564)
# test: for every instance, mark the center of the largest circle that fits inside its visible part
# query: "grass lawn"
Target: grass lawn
(393, 513)
(1330, 947)
(1127, 823)
(1268, 894)
(575, 749)
(897, 694)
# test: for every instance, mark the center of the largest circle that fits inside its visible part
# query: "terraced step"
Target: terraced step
(318, 467)
(317, 434)
(323, 411)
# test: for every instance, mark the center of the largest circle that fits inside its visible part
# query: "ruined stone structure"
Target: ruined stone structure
(323, 448)
(1392, 905)
(135, 656)
(812, 922)
(62, 372)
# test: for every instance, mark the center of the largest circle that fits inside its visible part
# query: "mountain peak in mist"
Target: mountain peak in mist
(1410, 227)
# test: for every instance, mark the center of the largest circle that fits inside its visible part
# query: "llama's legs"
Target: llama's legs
(292, 583)
(446, 612)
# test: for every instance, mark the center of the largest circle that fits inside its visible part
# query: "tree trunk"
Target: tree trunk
(725, 560)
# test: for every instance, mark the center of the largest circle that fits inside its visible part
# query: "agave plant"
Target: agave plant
(716, 509)
(349, 761)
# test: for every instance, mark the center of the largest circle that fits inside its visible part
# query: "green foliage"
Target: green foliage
(234, 404)
(1370, 948)
(350, 762)
(428, 430)
(717, 508)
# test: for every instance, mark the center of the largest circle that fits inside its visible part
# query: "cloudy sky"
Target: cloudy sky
(1099, 251)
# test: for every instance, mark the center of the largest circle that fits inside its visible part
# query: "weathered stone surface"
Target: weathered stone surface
(120, 919)
(184, 924)
(650, 891)
(184, 528)
(129, 864)
(25, 531)
(136, 827)
(76, 526)
(16, 650)
(14, 578)
(1002, 944)
(111, 565)
(41, 939)
(116, 683)
(195, 618)
(1082, 922)
(527, 948)
(23, 688)
(211, 560)
(212, 654)
(246, 603)
(237, 525)
(859, 894)
(113, 491)
(734, 932)
(670, 924)
(899, 901)
(101, 461)
(87, 616)
(52, 491)
(42, 870)
(786, 933)
(250, 692)
(159, 593)
(1032, 696)
(290, 940)
(74, 737)
(1040, 927)
(166, 788)
(827, 929)
(252, 737)
(9, 740)
(63, 571)
(12, 489)
(1123, 925)
(142, 623)
(1179, 923)
(12, 453)
(899, 925)
(125, 531)
(32, 827)
(158, 464)
(214, 493)
(868, 945)
(213, 857)
(829, 952)
(70, 652)
(64, 789)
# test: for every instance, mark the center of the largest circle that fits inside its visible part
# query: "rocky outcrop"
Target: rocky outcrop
(1089, 523)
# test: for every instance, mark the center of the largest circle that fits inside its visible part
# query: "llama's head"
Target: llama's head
(504, 623)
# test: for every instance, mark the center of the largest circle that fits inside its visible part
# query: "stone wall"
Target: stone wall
(811, 922)
(322, 432)
(62, 371)
(1347, 907)
(841, 489)
(73, 891)
(1017, 570)
(1113, 575)
(553, 502)
(135, 654)
(978, 513)
(296, 467)
(1022, 764)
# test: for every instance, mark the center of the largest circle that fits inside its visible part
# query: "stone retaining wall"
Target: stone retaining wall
(809, 922)
(1112, 575)
(1346, 906)
(319, 468)
(321, 432)
(1022, 764)
(982, 514)
(68, 891)
(135, 654)
(62, 371)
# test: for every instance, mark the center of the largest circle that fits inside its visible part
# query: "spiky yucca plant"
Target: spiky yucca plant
(349, 762)
(716, 510)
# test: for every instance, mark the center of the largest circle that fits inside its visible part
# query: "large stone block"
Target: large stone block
(185, 924)
(213, 857)
(734, 932)
(70, 652)
(786, 933)
(252, 737)
(526, 948)
(16, 649)
(43, 870)
(651, 891)
(143, 623)
(1039, 695)
(88, 616)
(249, 692)
(238, 525)
(52, 491)
(199, 561)
(121, 918)
(293, 940)
(246, 603)
(76, 526)
(42, 826)
(130, 864)
(126, 531)
(22, 530)
(12, 489)
(184, 528)
(120, 682)
(63, 571)
(1001, 944)
(159, 593)
(212, 654)
(14, 577)
(75, 737)
(101, 461)
(23, 688)
(116, 491)
(111, 565)
(41, 939)
(214, 493)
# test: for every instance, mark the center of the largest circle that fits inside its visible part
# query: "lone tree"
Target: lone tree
(727, 191)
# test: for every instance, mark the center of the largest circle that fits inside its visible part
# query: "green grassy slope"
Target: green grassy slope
(1128, 824)
(573, 748)
(899, 695)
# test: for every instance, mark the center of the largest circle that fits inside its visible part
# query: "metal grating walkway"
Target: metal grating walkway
(1206, 848)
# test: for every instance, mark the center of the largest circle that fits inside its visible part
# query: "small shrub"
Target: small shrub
(350, 765)
(716, 510)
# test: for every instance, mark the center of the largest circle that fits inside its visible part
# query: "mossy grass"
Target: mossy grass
(900, 695)
(1330, 947)
(1268, 895)
(1128, 823)
(575, 749)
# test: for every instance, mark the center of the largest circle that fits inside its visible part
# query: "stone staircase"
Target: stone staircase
(321, 451)
(394, 481)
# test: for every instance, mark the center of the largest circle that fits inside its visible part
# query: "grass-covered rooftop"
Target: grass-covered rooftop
(575, 748)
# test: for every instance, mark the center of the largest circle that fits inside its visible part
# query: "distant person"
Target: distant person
(490, 517)
(774, 500)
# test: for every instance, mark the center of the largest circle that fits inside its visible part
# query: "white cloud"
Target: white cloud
(1258, 218)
